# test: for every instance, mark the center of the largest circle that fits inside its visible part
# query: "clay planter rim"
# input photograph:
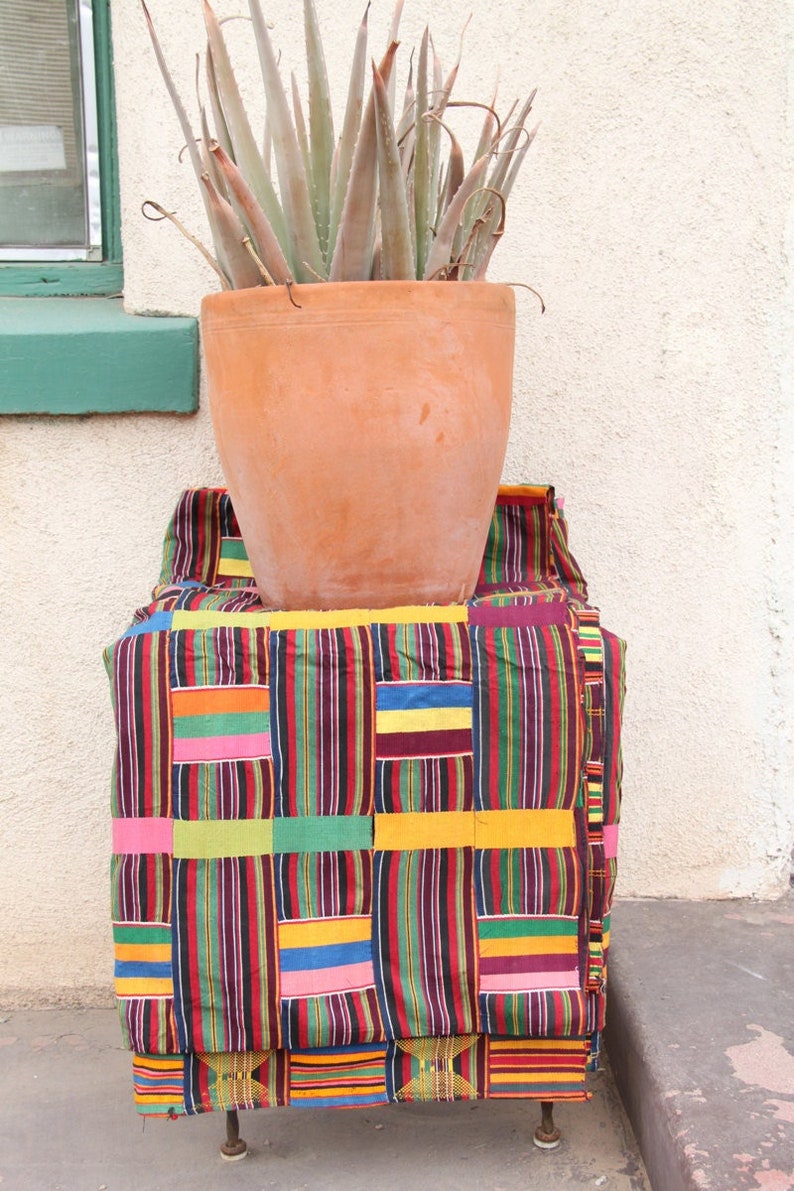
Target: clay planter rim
(474, 295)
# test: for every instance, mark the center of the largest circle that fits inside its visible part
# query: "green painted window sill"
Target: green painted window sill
(86, 356)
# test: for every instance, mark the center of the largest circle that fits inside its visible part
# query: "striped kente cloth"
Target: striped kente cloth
(364, 856)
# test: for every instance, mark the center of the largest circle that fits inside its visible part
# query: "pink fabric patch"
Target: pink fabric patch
(143, 835)
(327, 980)
(611, 841)
(222, 748)
(517, 982)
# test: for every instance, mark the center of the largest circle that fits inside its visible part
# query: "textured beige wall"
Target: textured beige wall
(656, 394)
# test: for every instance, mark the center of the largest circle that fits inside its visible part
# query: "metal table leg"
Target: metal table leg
(234, 1147)
(547, 1135)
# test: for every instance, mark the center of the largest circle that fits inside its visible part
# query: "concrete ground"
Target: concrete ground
(67, 1123)
(700, 1036)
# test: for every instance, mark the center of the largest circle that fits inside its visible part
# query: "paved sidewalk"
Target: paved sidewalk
(67, 1123)
(700, 1035)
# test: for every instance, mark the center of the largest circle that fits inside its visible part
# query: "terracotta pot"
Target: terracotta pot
(362, 434)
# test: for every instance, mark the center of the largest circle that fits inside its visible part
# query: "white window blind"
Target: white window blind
(49, 159)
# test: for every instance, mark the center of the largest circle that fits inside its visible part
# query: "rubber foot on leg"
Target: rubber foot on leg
(234, 1151)
(547, 1135)
(546, 1141)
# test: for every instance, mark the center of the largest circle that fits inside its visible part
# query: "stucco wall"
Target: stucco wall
(656, 394)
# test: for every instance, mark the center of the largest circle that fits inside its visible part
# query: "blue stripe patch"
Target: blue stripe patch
(332, 955)
(128, 969)
(395, 696)
(159, 1079)
(158, 622)
(361, 1101)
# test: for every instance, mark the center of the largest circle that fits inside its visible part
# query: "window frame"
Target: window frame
(85, 278)
(67, 347)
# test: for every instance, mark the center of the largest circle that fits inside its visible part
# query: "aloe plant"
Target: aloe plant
(391, 198)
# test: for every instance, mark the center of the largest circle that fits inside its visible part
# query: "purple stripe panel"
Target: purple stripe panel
(452, 743)
(610, 841)
(519, 615)
(526, 963)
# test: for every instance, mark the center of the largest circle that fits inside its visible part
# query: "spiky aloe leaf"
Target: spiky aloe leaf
(421, 170)
(449, 82)
(179, 108)
(501, 149)
(267, 146)
(345, 149)
(293, 187)
(466, 262)
(396, 17)
(398, 261)
(169, 215)
(209, 162)
(234, 259)
(431, 212)
(456, 167)
(221, 131)
(352, 259)
(265, 238)
(441, 253)
(518, 161)
(441, 98)
(394, 35)
(187, 131)
(508, 145)
(434, 139)
(406, 124)
(300, 130)
(321, 124)
(246, 152)
(490, 128)
(489, 234)
(484, 246)
(491, 222)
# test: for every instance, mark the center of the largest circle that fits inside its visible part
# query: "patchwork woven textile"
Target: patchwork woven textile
(364, 856)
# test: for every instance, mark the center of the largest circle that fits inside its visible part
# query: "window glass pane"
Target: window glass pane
(48, 152)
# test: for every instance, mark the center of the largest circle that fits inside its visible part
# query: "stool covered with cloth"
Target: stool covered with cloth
(364, 856)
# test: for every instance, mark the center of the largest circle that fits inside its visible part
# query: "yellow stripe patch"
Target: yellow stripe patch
(317, 932)
(144, 986)
(530, 1046)
(423, 719)
(219, 620)
(151, 953)
(351, 617)
(535, 1076)
(591, 642)
(435, 829)
(536, 491)
(234, 568)
(474, 829)
(542, 945)
(524, 829)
